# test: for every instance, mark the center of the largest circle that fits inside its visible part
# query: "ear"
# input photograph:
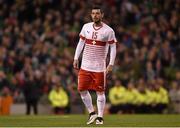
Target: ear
(102, 15)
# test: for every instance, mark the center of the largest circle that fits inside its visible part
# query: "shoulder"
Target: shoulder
(108, 28)
(87, 25)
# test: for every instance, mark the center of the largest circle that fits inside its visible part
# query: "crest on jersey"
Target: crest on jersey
(94, 42)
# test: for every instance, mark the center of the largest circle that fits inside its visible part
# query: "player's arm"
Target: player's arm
(112, 57)
(79, 49)
(112, 42)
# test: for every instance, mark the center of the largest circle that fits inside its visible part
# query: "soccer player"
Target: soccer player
(95, 39)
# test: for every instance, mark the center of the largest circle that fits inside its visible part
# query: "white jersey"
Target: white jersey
(96, 47)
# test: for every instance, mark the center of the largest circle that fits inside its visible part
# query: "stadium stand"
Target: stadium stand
(38, 39)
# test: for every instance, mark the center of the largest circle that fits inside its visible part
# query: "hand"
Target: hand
(109, 69)
(76, 64)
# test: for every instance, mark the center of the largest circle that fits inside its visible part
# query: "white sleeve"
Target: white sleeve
(111, 38)
(79, 48)
(112, 53)
(82, 34)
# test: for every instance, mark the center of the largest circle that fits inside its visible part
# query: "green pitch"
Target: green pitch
(80, 121)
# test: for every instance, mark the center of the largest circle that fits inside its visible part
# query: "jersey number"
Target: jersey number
(94, 35)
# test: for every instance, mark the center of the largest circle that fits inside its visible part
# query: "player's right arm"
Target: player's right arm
(79, 49)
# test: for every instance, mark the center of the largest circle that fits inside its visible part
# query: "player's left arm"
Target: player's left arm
(112, 42)
(112, 57)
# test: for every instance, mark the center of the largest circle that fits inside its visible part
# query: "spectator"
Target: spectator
(32, 94)
(59, 99)
(162, 98)
(174, 95)
(6, 101)
(131, 94)
(117, 98)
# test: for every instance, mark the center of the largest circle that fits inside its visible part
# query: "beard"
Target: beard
(97, 21)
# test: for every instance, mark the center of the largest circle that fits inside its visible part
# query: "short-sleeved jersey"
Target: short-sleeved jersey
(96, 46)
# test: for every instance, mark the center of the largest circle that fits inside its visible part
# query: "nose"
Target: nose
(95, 16)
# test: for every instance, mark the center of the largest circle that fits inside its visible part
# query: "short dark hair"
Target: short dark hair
(98, 6)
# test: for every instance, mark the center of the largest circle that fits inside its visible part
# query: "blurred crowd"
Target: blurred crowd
(38, 40)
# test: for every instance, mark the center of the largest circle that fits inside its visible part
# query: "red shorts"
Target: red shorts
(91, 80)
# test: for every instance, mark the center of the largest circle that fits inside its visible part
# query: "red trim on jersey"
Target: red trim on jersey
(111, 42)
(95, 42)
(82, 37)
(99, 27)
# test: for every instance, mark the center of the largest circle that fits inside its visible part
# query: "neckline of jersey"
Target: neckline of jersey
(95, 28)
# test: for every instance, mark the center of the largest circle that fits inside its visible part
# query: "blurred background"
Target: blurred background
(37, 43)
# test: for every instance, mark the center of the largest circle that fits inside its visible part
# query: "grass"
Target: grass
(80, 121)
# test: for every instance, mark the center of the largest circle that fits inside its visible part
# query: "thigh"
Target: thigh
(99, 81)
(84, 80)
